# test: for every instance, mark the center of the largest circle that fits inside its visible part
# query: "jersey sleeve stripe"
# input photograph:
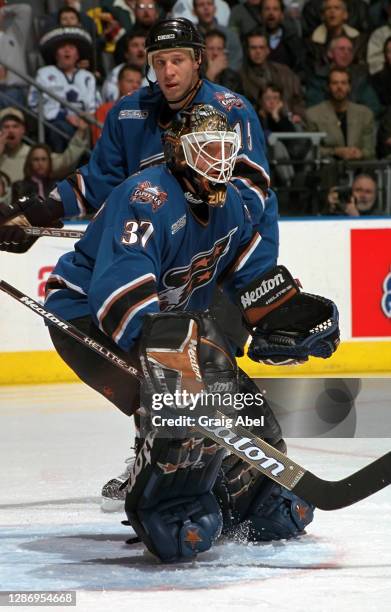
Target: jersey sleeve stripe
(121, 291)
(243, 256)
(128, 316)
(260, 194)
(56, 282)
(243, 160)
(123, 304)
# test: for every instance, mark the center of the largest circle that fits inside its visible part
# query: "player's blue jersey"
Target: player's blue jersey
(132, 140)
(145, 251)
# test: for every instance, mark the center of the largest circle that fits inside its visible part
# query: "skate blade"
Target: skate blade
(112, 505)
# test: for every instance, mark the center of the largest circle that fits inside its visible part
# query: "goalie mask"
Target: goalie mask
(201, 148)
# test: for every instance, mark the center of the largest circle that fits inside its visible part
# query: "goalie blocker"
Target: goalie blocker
(287, 325)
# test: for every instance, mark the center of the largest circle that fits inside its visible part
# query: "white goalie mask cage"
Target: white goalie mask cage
(211, 154)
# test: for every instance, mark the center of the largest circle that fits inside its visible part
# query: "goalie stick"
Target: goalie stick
(52, 232)
(324, 494)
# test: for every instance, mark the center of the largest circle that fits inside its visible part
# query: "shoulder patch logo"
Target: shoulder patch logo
(133, 114)
(153, 194)
(228, 100)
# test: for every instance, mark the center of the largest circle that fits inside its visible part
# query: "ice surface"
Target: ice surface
(60, 443)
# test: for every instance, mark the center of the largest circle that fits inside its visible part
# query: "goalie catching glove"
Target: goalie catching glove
(26, 211)
(287, 325)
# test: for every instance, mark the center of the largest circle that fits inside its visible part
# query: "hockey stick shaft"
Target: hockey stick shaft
(53, 232)
(326, 495)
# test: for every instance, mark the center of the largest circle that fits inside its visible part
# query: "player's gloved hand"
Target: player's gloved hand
(287, 325)
(24, 212)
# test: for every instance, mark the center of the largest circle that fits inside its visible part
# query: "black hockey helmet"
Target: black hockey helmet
(202, 147)
(175, 33)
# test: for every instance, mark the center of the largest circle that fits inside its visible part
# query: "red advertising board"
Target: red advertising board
(371, 282)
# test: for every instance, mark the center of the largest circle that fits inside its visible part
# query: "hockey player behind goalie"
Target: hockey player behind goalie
(160, 243)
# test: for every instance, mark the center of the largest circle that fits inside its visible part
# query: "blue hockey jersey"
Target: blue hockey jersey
(132, 140)
(146, 251)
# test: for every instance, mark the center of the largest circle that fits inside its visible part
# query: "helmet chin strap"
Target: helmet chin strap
(186, 98)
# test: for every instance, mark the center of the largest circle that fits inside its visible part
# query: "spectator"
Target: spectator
(364, 190)
(146, 14)
(5, 188)
(184, 8)
(123, 12)
(62, 49)
(340, 55)
(69, 17)
(130, 79)
(38, 174)
(285, 45)
(375, 53)
(381, 80)
(217, 69)
(384, 136)
(13, 151)
(357, 15)
(258, 72)
(135, 55)
(205, 11)
(64, 18)
(15, 23)
(274, 117)
(359, 200)
(246, 17)
(334, 23)
(349, 127)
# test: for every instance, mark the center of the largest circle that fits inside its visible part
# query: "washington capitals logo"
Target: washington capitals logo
(146, 192)
(228, 100)
(386, 297)
(182, 282)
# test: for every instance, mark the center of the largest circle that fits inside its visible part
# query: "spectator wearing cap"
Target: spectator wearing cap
(13, 151)
(62, 49)
(70, 15)
(15, 23)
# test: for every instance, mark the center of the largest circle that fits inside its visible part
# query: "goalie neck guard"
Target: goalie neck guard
(201, 149)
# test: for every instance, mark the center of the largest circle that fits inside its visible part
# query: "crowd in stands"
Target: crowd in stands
(307, 66)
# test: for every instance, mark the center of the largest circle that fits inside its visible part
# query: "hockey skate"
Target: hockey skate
(113, 492)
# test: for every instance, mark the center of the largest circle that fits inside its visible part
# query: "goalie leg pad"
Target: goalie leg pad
(279, 515)
(169, 502)
(255, 508)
